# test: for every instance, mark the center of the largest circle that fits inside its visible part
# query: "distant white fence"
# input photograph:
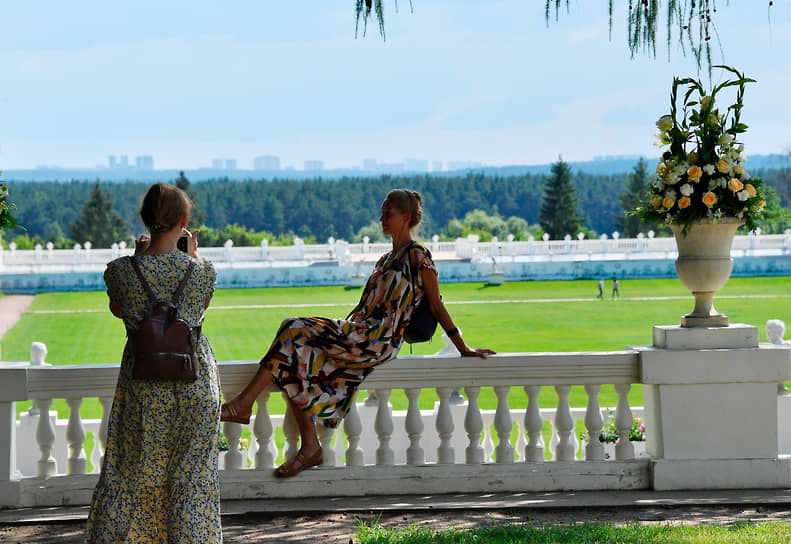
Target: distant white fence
(344, 253)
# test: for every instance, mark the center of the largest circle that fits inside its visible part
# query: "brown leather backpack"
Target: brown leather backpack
(165, 348)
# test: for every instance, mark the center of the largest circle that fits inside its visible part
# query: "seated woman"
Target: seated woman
(320, 362)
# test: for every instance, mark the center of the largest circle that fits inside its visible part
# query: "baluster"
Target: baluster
(75, 436)
(414, 429)
(107, 406)
(473, 424)
(96, 455)
(263, 431)
(291, 431)
(45, 436)
(488, 444)
(564, 424)
(233, 457)
(353, 428)
(504, 452)
(521, 443)
(594, 449)
(325, 438)
(446, 454)
(624, 449)
(534, 424)
(383, 426)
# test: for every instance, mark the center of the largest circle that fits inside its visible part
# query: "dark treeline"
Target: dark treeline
(323, 208)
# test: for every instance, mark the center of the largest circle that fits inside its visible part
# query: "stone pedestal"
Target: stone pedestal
(711, 408)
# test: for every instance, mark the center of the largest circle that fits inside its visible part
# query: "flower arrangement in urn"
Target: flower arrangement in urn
(7, 220)
(700, 177)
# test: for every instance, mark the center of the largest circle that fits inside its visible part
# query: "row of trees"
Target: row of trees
(249, 211)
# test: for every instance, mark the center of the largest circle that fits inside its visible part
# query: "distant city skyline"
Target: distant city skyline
(456, 81)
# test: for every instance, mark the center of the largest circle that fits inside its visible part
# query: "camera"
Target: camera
(182, 243)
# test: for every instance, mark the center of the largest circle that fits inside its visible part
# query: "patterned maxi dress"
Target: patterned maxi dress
(320, 362)
(159, 480)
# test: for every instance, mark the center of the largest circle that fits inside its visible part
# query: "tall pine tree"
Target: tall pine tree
(197, 218)
(99, 223)
(558, 214)
(631, 197)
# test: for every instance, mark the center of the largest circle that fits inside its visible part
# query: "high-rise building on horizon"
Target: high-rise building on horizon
(124, 161)
(218, 164)
(266, 162)
(230, 164)
(111, 162)
(144, 162)
(416, 165)
(314, 166)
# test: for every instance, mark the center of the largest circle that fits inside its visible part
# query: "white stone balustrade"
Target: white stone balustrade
(450, 448)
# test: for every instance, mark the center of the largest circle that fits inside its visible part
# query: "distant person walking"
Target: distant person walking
(601, 289)
(615, 292)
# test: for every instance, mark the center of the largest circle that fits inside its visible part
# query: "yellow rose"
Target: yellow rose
(684, 202)
(694, 173)
(665, 123)
(722, 166)
(751, 190)
(656, 201)
(661, 169)
(668, 202)
(738, 169)
(692, 158)
(709, 199)
(735, 185)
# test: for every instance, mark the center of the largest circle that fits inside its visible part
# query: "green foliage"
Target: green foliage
(373, 231)
(558, 215)
(99, 223)
(630, 198)
(197, 217)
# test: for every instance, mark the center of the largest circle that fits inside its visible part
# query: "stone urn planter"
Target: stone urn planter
(704, 265)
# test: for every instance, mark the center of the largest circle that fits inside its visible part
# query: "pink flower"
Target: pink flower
(617, 440)
(641, 428)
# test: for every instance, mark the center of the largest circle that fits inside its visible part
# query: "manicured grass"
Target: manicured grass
(743, 533)
(561, 325)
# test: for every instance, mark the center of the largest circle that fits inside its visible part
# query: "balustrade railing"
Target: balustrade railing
(346, 253)
(371, 438)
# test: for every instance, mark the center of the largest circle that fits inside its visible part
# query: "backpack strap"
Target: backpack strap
(143, 282)
(147, 287)
(180, 289)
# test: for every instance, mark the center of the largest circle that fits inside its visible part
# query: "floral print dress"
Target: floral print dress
(320, 362)
(159, 479)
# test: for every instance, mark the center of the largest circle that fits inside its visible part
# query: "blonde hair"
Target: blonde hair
(406, 201)
(163, 207)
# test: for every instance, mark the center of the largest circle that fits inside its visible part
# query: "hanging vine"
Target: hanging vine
(692, 19)
(363, 9)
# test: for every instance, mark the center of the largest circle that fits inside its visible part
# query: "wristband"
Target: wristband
(453, 332)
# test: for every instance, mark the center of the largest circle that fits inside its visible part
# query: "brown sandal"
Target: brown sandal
(287, 470)
(229, 411)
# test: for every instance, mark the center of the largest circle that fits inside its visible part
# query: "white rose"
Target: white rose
(664, 123)
(686, 189)
(726, 139)
(742, 157)
(743, 195)
(670, 193)
(709, 169)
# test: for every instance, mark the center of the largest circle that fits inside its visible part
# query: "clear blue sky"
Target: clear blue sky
(188, 81)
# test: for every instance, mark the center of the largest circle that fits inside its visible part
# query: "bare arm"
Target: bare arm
(438, 310)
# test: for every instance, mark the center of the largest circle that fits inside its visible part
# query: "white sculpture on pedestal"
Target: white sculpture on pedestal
(775, 329)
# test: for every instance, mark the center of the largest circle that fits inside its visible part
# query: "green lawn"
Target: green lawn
(741, 533)
(565, 324)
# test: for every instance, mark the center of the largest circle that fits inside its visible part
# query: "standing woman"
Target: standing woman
(159, 478)
(320, 362)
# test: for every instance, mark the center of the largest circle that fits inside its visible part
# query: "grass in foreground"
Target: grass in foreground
(747, 533)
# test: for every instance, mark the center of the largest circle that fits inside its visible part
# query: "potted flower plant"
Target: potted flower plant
(608, 436)
(702, 190)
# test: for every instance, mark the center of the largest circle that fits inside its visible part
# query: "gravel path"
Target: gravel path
(340, 528)
(11, 309)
